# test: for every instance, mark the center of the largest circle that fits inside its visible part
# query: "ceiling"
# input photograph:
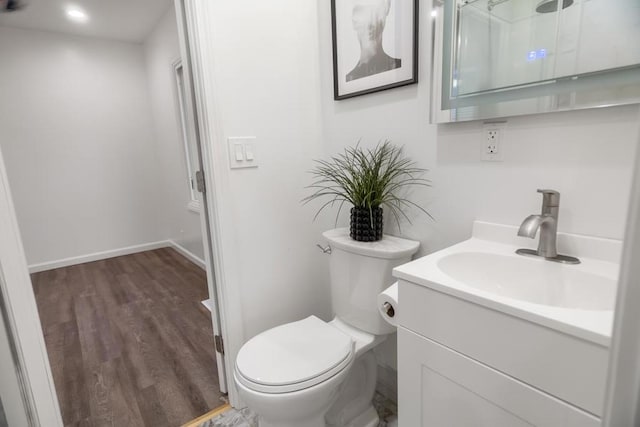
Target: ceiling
(125, 20)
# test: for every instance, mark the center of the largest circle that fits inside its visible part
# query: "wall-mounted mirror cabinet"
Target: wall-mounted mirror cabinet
(499, 58)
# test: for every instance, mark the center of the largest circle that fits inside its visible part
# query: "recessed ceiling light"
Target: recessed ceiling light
(77, 15)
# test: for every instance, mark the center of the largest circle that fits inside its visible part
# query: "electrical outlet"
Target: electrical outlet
(492, 150)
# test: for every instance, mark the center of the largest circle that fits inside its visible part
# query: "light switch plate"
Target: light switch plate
(242, 152)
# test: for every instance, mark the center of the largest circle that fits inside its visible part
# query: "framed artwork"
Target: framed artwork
(375, 45)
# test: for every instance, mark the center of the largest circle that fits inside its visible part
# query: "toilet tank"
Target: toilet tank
(359, 272)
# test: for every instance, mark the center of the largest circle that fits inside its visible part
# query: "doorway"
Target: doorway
(101, 148)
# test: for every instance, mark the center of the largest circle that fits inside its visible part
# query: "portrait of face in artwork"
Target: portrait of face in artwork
(369, 18)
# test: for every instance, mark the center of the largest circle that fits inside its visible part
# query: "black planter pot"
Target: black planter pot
(363, 228)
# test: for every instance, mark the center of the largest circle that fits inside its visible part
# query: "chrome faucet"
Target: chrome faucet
(547, 223)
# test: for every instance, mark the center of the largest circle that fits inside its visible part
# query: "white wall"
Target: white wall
(263, 57)
(176, 222)
(586, 155)
(268, 74)
(75, 129)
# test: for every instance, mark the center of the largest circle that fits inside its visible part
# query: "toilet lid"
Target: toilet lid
(294, 354)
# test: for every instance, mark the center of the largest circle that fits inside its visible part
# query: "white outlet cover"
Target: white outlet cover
(491, 142)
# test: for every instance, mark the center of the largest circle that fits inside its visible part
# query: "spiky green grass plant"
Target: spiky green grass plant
(367, 178)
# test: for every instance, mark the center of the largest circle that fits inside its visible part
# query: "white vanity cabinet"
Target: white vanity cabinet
(439, 387)
(465, 365)
(489, 338)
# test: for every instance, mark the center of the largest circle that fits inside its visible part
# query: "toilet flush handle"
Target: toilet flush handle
(324, 250)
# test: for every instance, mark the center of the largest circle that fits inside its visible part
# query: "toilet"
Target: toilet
(313, 373)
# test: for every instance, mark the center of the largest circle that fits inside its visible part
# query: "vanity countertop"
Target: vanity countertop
(574, 299)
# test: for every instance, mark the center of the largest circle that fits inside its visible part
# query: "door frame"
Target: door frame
(207, 219)
(623, 388)
(221, 258)
(22, 318)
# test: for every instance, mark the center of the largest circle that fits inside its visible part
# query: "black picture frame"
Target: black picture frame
(335, 44)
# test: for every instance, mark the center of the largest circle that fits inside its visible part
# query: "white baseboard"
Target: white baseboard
(187, 254)
(97, 256)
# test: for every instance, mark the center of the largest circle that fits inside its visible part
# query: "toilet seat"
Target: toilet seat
(293, 356)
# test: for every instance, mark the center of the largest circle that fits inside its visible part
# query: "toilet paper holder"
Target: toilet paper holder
(388, 309)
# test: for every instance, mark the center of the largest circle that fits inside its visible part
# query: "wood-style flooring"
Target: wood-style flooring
(128, 340)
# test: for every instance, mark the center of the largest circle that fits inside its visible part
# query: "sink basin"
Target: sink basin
(576, 299)
(532, 280)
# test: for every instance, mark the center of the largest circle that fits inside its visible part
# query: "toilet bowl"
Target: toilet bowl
(292, 375)
(300, 408)
(313, 373)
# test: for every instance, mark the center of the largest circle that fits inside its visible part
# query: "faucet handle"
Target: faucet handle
(550, 198)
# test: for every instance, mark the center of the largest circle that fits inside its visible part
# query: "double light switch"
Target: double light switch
(242, 152)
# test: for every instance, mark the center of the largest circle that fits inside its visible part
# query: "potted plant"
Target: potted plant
(368, 179)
